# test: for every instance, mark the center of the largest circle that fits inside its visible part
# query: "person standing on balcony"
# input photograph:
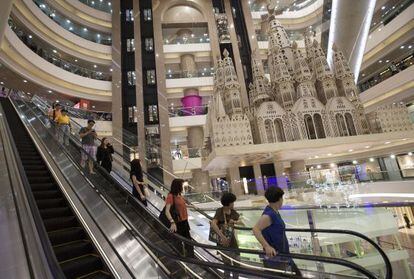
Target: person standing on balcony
(137, 178)
(88, 136)
(63, 122)
(104, 154)
(270, 231)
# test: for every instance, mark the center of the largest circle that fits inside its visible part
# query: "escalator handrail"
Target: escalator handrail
(299, 256)
(342, 262)
(40, 227)
(83, 203)
(135, 232)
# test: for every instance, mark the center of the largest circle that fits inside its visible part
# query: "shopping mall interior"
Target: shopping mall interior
(315, 97)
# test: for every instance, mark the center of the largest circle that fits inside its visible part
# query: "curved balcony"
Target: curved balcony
(16, 56)
(75, 28)
(102, 5)
(63, 40)
(83, 14)
(53, 57)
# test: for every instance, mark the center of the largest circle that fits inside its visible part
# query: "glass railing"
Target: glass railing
(187, 40)
(102, 5)
(388, 71)
(52, 57)
(182, 153)
(207, 72)
(250, 257)
(188, 111)
(81, 31)
(388, 12)
(284, 6)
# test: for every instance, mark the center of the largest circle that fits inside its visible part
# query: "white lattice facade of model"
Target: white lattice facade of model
(304, 98)
(391, 118)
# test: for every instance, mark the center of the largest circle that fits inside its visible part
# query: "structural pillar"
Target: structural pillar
(6, 6)
(350, 38)
(188, 65)
(195, 139)
(297, 171)
(233, 177)
(258, 179)
(280, 177)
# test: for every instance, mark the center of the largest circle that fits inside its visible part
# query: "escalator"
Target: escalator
(76, 254)
(156, 237)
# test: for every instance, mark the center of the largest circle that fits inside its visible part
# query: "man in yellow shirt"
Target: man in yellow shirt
(63, 122)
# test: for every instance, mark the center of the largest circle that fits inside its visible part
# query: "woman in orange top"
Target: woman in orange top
(180, 226)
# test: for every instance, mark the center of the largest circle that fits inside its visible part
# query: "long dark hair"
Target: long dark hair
(176, 186)
(136, 166)
(102, 142)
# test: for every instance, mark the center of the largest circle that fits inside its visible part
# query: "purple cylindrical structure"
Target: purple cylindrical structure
(192, 105)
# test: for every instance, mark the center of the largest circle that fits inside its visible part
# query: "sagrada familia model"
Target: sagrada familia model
(303, 100)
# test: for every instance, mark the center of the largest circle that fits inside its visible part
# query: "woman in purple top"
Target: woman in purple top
(270, 231)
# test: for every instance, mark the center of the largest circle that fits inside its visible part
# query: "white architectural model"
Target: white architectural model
(304, 98)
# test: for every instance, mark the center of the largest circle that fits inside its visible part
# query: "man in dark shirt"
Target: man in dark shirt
(88, 136)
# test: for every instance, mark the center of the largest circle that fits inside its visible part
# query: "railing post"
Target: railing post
(316, 248)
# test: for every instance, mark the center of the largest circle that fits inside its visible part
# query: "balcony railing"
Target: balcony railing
(52, 57)
(188, 111)
(102, 5)
(388, 71)
(208, 72)
(73, 27)
(295, 6)
(179, 153)
(187, 40)
(390, 11)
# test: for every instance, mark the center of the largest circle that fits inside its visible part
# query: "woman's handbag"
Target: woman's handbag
(173, 212)
(227, 230)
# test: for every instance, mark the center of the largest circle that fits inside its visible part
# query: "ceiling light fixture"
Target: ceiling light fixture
(387, 142)
(371, 159)
(354, 162)
(350, 150)
(392, 156)
(25, 81)
(410, 154)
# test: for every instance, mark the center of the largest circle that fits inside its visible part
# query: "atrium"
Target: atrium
(230, 98)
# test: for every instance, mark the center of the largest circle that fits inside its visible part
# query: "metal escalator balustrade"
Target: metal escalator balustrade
(73, 249)
(144, 232)
(327, 260)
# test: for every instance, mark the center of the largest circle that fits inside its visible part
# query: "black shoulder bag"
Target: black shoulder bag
(173, 212)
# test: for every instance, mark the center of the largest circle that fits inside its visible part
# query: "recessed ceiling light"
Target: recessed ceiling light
(110, 70)
(24, 81)
(71, 28)
(402, 47)
(98, 35)
(329, 154)
(380, 61)
(76, 60)
(387, 142)
(386, 61)
(318, 166)
(392, 156)
(68, 21)
(54, 51)
(95, 66)
(410, 46)
(383, 8)
(367, 146)
(1, 83)
(410, 154)
(49, 91)
(405, 139)
(85, 29)
(354, 162)
(350, 150)
(316, 157)
(30, 36)
(371, 159)
(109, 3)
(332, 165)
(57, 101)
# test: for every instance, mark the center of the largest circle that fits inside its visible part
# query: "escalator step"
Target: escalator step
(73, 250)
(81, 266)
(52, 194)
(50, 203)
(65, 236)
(55, 212)
(96, 275)
(36, 167)
(43, 186)
(54, 224)
(36, 173)
(46, 179)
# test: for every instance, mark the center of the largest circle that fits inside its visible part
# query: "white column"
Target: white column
(258, 179)
(233, 178)
(350, 38)
(280, 178)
